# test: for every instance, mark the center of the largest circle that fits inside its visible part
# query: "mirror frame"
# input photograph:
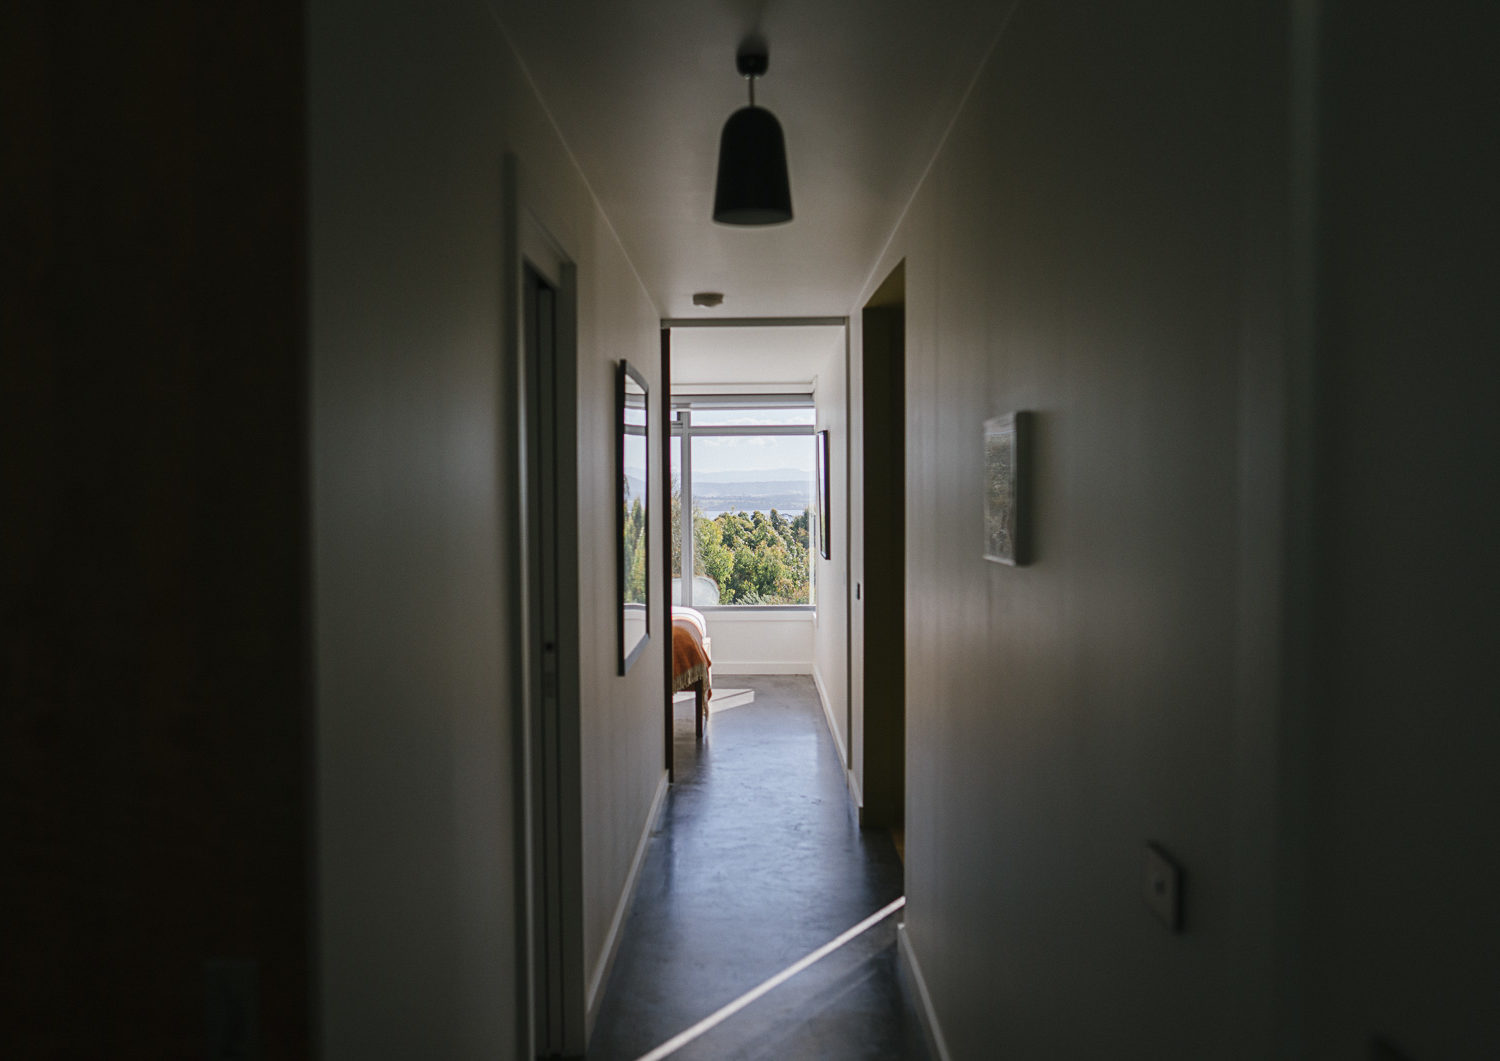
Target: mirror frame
(630, 653)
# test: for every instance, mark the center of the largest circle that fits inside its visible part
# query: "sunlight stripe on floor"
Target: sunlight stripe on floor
(713, 1020)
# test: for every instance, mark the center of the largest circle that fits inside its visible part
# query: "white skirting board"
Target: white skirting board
(854, 791)
(833, 728)
(838, 742)
(924, 1000)
(612, 937)
(762, 667)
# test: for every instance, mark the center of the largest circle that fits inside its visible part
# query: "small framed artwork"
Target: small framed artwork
(825, 548)
(1005, 444)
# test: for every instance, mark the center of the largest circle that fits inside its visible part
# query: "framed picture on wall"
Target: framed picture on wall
(1005, 443)
(820, 462)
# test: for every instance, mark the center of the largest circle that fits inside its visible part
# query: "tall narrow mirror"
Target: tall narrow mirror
(634, 509)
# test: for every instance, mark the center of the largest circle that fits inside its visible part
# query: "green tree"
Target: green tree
(676, 527)
(635, 553)
(756, 558)
(799, 528)
(710, 557)
(742, 575)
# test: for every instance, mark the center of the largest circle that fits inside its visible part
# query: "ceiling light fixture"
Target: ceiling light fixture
(752, 188)
(708, 298)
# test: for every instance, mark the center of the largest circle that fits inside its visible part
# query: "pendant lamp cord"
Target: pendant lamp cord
(752, 90)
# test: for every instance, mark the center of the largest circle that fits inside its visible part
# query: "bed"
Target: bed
(690, 662)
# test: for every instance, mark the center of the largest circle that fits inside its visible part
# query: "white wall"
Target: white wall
(750, 641)
(853, 544)
(1079, 250)
(831, 627)
(411, 110)
(623, 760)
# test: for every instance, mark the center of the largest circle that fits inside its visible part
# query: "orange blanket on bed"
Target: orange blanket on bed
(689, 662)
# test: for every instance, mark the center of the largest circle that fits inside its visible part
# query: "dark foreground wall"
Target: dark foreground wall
(1239, 263)
(1402, 925)
(153, 610)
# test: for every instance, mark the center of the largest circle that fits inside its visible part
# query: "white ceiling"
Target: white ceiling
(864, 89)
(762, 357)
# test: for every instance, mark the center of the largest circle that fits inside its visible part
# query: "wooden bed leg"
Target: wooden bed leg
(700, 709)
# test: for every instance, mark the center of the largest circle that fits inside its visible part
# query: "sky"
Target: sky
(752, 454)
(755, 453)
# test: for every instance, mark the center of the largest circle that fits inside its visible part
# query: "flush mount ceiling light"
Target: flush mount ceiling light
(752, 188)
(708, 298)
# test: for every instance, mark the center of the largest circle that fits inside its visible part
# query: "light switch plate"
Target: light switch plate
(1163, 888)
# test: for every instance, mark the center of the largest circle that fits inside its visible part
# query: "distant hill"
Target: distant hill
(787, 490)
(757, 475)
(791, 488)
(786, 496)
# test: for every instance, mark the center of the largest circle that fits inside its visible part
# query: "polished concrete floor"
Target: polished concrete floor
(757, 861)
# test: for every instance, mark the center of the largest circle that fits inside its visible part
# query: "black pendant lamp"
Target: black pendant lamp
(752, 188)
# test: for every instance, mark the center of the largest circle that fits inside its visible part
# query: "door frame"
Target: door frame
(878, 554)
(667, 324)
(541, 452)
(665, 509)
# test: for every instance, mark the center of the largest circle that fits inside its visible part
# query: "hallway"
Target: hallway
(757, 861)
(269, 664)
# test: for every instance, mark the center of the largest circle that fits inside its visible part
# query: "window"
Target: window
(742, 501)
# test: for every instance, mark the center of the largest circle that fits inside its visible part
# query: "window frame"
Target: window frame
(682, 428)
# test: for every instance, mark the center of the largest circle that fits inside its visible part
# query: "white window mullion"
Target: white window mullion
(686, 517)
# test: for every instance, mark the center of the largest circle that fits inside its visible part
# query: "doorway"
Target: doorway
(880, 588)
(756, 547)
(551, 818)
